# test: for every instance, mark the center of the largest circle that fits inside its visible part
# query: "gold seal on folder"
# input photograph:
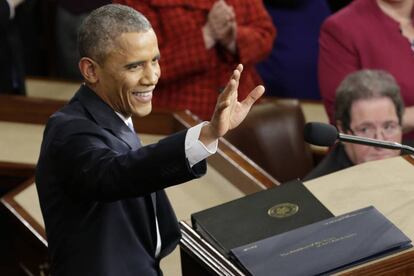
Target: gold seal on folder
(283, 210)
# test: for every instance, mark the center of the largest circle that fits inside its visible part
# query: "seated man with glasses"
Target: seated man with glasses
(367, 104)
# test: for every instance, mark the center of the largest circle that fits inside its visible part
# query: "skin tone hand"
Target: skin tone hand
(229, 112)
(221, 25)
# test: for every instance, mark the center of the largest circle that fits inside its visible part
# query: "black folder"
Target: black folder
(324, 247)
(259, 216)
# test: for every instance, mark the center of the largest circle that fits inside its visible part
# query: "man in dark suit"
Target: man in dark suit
(100, 191)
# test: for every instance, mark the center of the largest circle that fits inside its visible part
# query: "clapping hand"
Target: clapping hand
(221, 22)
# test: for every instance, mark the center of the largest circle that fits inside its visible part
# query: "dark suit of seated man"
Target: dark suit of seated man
(101, 192)
(11, 50)
(367, 104)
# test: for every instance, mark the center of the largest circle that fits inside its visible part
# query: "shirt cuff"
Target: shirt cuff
(195, 151)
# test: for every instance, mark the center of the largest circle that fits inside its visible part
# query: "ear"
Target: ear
(88, 68)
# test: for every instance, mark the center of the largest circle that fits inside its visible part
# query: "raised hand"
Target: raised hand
(229, 112)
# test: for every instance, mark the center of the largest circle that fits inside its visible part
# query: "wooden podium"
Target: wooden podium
(21, 207)
(386, 184)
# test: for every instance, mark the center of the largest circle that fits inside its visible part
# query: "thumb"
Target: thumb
(253, 96)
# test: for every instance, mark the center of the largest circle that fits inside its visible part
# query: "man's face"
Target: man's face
(373, 118)
(129, 74)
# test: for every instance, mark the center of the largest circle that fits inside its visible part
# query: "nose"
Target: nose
(379, 134)
(150, 75)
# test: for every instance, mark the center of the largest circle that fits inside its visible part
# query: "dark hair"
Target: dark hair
(104, 25)
(366, 84)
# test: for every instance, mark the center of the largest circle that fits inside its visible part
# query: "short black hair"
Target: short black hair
(102, 26)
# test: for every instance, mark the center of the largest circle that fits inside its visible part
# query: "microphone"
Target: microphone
(325, 135)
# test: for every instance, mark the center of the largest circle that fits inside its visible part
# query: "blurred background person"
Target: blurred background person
(372, 34)
(202, 40)
(291, 69)
(69, 16)
(11, 50)
(367, 104)
(336, 5)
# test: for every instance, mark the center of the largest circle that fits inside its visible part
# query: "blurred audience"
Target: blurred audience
(69, 16)
(202, 40)
(367, 104)
(11, 50)
(291, 69)
(336, 5)
(374, 34)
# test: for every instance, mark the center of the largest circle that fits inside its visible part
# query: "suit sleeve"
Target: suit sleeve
(337, 58)
(93, 170)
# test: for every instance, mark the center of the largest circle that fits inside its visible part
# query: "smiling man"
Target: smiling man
(367, 104)
(100, 191)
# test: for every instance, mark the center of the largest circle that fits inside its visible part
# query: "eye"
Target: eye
(135, 65)
(155, 60)
(390, 126)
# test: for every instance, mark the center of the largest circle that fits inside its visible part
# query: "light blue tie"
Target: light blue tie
(130, 125)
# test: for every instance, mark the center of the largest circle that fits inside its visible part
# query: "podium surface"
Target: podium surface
(386, 184)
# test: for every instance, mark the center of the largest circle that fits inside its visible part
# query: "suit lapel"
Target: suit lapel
(106, 117)
(128, 136)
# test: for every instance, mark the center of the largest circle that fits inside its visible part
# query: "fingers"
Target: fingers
(229, 95)
(233, 84)
(253, 96)
(228, 91)
(237, 73)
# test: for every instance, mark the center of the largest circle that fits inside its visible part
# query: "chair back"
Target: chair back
(272, 137)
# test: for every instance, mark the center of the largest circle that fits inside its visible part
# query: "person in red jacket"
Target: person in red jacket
(200, 41)
(369, 34)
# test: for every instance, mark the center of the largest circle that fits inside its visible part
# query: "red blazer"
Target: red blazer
(362, 36)
(192, 76)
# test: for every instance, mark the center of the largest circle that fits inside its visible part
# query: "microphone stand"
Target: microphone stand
(374, 142)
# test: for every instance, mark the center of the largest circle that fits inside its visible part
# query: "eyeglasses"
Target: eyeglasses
(388, 129)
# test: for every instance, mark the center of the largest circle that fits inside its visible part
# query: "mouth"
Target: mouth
(143, 97)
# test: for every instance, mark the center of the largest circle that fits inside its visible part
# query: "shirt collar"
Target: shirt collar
(127, 121)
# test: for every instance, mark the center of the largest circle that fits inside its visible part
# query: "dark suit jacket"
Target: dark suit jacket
(94, 182)
(11, 54)
(335, 160)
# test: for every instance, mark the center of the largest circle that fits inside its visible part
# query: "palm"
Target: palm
(240, 112)
(229, 111)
